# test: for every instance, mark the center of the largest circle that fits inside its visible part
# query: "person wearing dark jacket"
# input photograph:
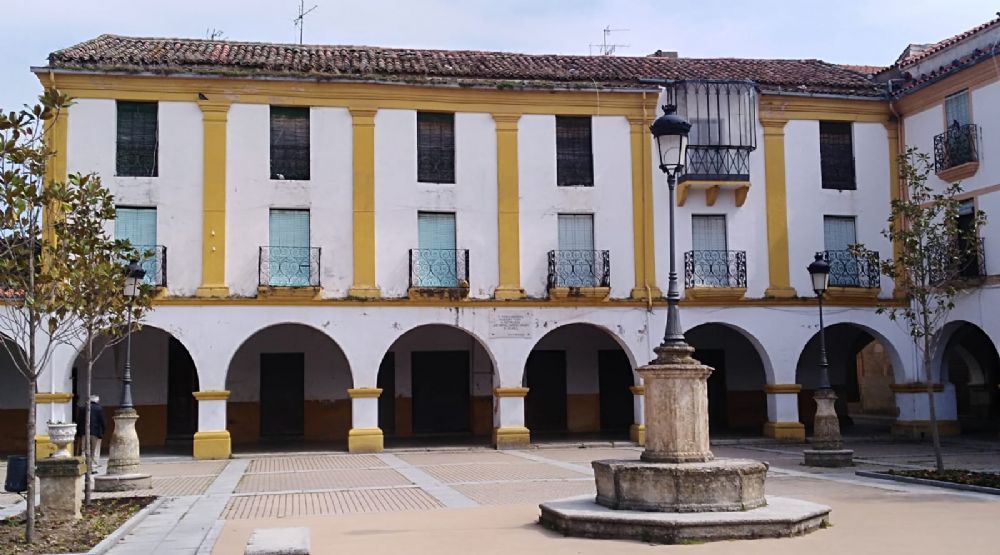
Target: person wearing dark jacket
(97, 428)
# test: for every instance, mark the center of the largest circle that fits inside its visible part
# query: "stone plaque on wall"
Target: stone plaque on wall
(511, 323)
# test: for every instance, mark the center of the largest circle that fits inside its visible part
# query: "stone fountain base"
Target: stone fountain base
(780, 517)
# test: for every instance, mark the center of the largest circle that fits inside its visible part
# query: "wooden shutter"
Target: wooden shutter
(836, 153)
(956, 108)
(137, 139)
(137, 225)
(708, 233)
(289, 143)
(574, 152)
(838, 233)
(576, 232)
(436, 230)
(435, 147)
(289, 228)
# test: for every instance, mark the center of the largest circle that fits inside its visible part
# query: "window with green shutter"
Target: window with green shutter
(288, 251)
(138, 227)
(289, 143)
(137, 140)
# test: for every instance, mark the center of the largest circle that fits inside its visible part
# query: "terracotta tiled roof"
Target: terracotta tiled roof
(864, 69)
(939, 46)
(112, 53)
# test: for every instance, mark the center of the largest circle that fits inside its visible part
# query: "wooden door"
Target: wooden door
(545, 378)
(182, 381)
(615, 378)
(440, 383)
(282, 394)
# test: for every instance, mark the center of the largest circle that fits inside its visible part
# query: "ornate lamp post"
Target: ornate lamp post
(123, 453)
(826, 442)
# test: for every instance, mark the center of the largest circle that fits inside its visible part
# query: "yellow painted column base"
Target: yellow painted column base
(785, 431)
(212, 445)
(641, 293)
(364, 292)
(511, 438)
(207, 291)
(637, 433)
(508, 293)
(918, 428)
(365, 440)
(43, 447)
(780, 292)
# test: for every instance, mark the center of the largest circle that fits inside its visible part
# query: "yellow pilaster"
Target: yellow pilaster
(56, 138)
(213, 259)
(777, 208)
(365, 440)
(642, 210)
(212, 445)
(508, 209)
(892, 134)
(43, 447)
(363, 121)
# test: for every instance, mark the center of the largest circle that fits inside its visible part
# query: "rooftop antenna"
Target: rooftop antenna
(608, 49)
(213, 34)
(300, 20)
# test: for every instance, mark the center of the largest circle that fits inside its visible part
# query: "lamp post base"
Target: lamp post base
(123, 457)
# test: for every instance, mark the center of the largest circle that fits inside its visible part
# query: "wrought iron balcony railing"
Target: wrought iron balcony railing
(956, 146)
(715, 269)
(973, 264)
(153, 259)
(969, 264)
(717, 163)
(288, 266)
(847, 270)
(579, 268)
(439, 268)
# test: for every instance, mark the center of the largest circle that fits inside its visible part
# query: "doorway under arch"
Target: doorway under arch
(972, 365)
(13, 402)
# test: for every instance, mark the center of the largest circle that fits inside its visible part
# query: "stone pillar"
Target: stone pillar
(676, 390)
(783, 413)
(365, 435)
(637, 431)
(510, 432)
(914, 412)
(212, 440)
(61, 486)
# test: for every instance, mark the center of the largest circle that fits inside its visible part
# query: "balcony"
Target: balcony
(852, 278)
(715, 275)
(153, 259)
(440, 273)
(288, 271)
(956, 152)
(579, 273)
(969, 266)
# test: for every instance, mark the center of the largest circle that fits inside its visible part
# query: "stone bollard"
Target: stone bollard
(61, 481)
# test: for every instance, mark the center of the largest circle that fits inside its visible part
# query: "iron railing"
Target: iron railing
(969, 264)
(439, 268)
(710, 268)
(723, 163)
(956, 146)
(973, 264)
(153, 259)
(579, 268)
(848, 270)
(288, 266)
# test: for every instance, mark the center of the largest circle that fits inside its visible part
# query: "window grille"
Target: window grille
(137, 139)
(289, 143)
(574, 152)
(435, 147)
(836, 153)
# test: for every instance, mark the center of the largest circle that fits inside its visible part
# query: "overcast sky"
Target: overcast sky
(842, 31)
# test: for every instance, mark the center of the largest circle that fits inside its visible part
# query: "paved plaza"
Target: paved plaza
(454, 500)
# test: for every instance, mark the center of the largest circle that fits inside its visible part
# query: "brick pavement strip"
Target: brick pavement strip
(320, 480)
(312, 462)
(448, 496)
(507, 493)
(492, 472)
(329, 502)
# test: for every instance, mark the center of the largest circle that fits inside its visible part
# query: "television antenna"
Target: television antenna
(300, 20)
(605, 48)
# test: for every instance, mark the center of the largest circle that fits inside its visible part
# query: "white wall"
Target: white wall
(177, 191)
(399, 196)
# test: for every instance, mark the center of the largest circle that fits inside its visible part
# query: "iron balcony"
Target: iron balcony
(579, 268)
(713, 268)
(439, 268)
(288, 266)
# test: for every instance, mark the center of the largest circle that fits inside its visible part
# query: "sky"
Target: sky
(845, 31)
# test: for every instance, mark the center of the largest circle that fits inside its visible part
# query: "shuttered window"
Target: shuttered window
(435, 147)
(436, 230)
(956, 108)
(137, 140)
(288, 250)
(836, 153)
(708, 233)
(576, 258)
(576, 232)
(138, 227)
(838, 233)
(574, 152)
(289, 143)
(438, 258)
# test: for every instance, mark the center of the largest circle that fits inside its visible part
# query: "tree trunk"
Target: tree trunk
(932, 406)
(88, 487)
(29, 529)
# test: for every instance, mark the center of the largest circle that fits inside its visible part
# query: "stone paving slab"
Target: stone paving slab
(587, 455)
(312, 462)
(321, 480)
(455, 473)
(193, 468)
(507, 493)
(329, 502)
(453, 457)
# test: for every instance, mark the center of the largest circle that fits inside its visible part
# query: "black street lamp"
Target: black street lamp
(134, 274)
(671, 133)
(819, 271)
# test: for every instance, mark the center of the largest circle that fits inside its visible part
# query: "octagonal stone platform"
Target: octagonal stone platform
(781, 517)
(713, 486)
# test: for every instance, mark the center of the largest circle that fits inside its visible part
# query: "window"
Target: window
(708, 233)
(711, 251)
(968, 240)
(289, 143)
(436, 259)
(435, 147)
(838, 236)
(574, 152)
(137, 139)
(956, 109)
(838, 233)
(288, 251)
(576, 257)
(138, 227)
(836, 153)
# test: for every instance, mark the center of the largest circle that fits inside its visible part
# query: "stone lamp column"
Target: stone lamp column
(676, 406)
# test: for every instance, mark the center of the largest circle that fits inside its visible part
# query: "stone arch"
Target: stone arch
(13, 401)
(966, 360)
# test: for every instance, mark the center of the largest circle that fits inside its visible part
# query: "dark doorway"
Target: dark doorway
(615, 379)
(387, 399)
(282, 395)
(718, 417)
(545, 378)
(182, 381)
(440, 383)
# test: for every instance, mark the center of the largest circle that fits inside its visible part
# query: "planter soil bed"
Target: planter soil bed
(965, 480)
(100, 519)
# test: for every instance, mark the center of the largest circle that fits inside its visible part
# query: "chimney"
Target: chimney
(672, 54)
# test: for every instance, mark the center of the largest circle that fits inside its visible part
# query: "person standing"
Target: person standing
(97, 428)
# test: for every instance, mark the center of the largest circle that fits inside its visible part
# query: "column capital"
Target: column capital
(363, 116)
(364, 392)
(211, 395)
(510, 392)
(637, 389)
(639, 123)
(773, 125)
(57, 397)
(777, 388)
(506, 122)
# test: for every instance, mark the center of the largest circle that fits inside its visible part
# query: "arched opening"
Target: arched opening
(288, 384)
(578, 378)
(971, 364)
(861, 374)
(737, 404)
(163, 380)
(437, 382)
(13, 402)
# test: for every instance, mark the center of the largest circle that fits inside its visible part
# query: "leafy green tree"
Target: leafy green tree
(97, 278)
(932, 255)
(36, 312)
